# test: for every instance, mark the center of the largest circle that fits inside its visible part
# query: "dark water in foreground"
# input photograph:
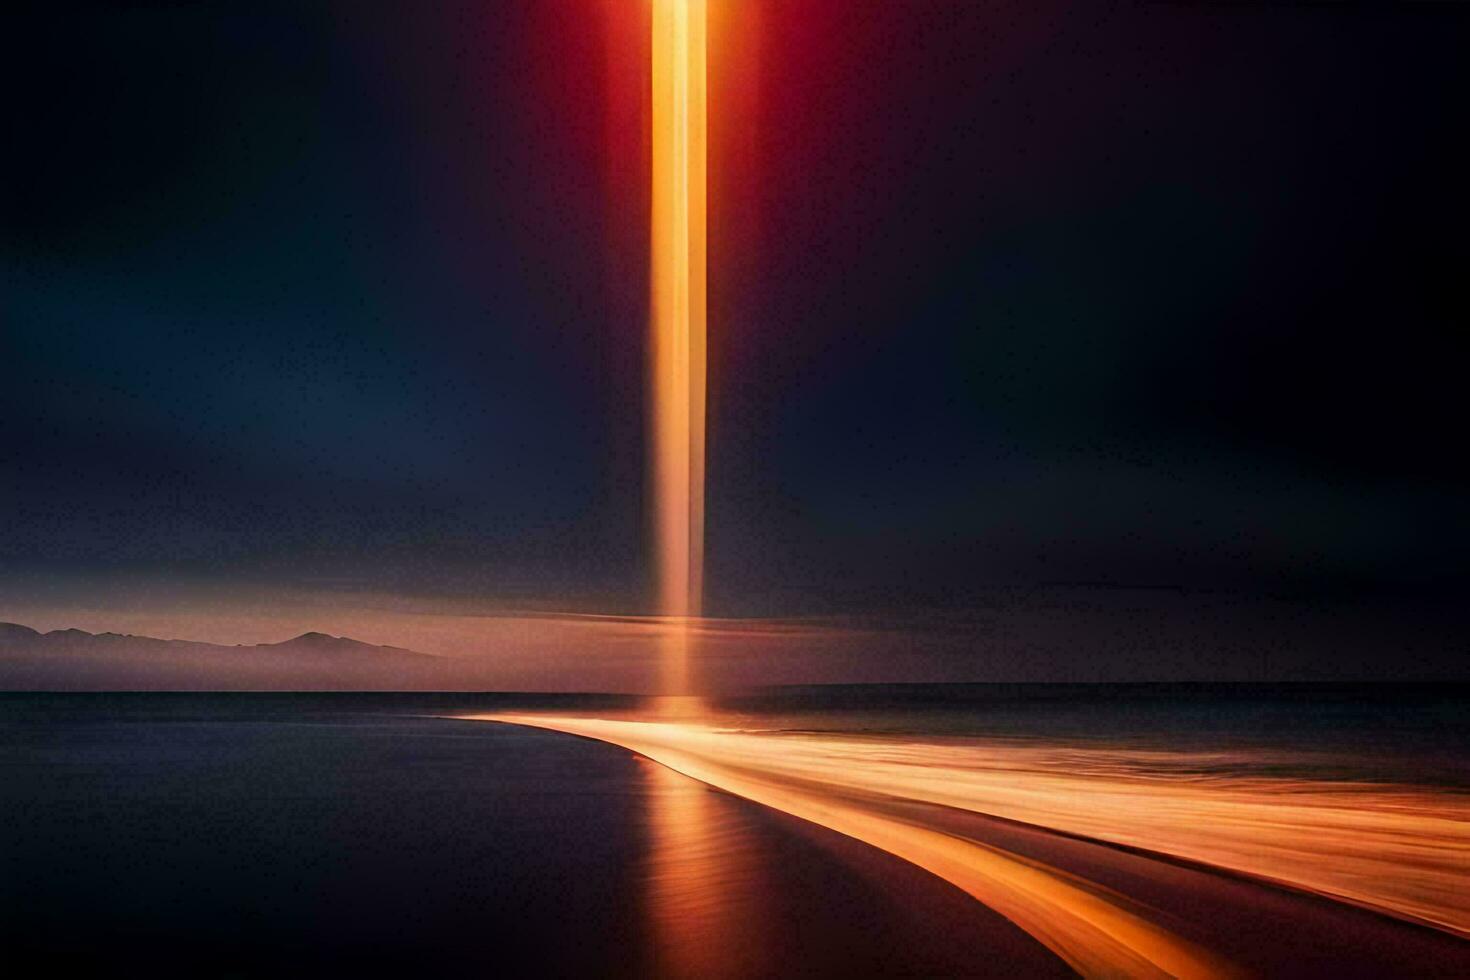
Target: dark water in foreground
(252, 834)
(248, 835)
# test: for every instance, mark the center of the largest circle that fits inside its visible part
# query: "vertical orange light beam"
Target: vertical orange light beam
(678, 318)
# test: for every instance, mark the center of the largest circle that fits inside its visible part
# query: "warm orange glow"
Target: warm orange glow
(1096, 934)
(1396, 849)
(704, 890)
(678, 312)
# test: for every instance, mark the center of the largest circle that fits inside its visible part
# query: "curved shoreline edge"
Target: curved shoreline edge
(1093, 930)
(1103, 909)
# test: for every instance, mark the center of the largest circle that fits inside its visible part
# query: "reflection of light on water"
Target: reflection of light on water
(703, 882)
(1095, 933)
(1397, 849)
(686, 708)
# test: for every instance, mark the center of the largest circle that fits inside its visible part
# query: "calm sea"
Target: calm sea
(246, 834)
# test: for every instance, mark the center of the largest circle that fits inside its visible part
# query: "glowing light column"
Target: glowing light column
(678, 302)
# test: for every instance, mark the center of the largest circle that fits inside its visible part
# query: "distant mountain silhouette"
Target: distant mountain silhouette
(73, 659)
(15, 633)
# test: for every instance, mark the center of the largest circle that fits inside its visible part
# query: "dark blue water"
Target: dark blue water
(270, 835)
(233, 836)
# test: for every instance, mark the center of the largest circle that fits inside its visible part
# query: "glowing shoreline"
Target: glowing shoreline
(1393, 850)
(1093, 932)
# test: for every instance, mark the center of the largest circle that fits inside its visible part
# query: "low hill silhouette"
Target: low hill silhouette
(75, 660)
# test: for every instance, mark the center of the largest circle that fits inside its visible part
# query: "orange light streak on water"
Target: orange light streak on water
(1400, 850)
(1099, 934)
(704, 884)
(677, 302)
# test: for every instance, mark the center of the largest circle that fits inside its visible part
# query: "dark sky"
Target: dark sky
(348, 296)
